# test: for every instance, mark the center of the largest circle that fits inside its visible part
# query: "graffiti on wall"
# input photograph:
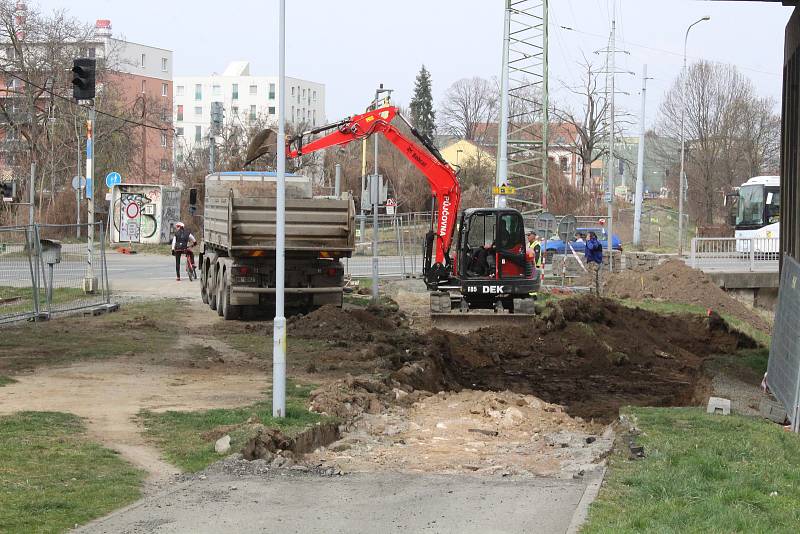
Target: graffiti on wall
(135, 216)
(171, 206)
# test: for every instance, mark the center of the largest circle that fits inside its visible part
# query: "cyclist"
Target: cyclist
(182, 241)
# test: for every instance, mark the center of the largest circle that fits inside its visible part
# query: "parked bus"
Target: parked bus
(758, 211)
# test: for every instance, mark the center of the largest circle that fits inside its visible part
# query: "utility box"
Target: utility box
(51, 251)
(144, 213)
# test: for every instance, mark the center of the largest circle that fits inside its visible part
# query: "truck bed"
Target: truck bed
(242, 224)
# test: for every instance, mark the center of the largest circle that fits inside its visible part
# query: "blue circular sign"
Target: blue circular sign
(112, 179)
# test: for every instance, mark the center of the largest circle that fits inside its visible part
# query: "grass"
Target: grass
(665, 307)
(136, 328)
(5, 380)
(52, 477)
(187, 438)
(24, 304)
(701, 473)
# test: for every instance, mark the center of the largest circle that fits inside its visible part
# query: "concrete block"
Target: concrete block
(772, 410)
(720, 406)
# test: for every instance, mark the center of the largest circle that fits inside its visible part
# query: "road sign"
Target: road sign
(132, 210)
(545, 225)
(607, 197)
(112, 179)
(566, 227)
(78, 182)
(391, 205)
(504, 190)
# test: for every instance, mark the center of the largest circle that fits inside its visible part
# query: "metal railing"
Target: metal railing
(756, 254)
(43, 272)
(400, 243)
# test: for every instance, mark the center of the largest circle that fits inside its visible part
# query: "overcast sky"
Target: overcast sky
(352, 45)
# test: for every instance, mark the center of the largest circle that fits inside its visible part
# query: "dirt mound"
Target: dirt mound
(375, 323)
(590, 355)
(677, 282)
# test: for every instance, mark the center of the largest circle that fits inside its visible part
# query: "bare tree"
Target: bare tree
(590, 123)
(731, 133)
(469, 105)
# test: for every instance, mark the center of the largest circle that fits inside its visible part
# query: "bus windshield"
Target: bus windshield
(751, 206)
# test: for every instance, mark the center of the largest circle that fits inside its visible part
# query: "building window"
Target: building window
(304, 93)
(198, 91)
(180, 91)
(253, 90)
(272, 91)
(163, 64)
(179, 132)
(293, 91)
(180, 113)
(164, 139)
(564, 164)
(198, 133)
(144, 85)
(198, 110)
(164, 165)
(271, 110)
(143, 61)
(235, 111)
(315, 118)
(315, 96)
(11, 52)
(252, 113)
(164, 114)
(216, 90)
(235, 91)
(164, 89)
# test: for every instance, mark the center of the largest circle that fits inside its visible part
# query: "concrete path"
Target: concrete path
(290, 502)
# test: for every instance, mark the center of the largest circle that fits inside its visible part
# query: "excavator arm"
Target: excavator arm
(440, 175)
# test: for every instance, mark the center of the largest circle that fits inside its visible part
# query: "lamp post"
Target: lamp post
(682, 177)
(279, 324)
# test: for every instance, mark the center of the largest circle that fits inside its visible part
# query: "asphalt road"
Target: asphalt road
(368, 503)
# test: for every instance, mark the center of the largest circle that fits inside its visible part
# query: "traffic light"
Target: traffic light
(9, 190)
(83, 81)
(217, 115)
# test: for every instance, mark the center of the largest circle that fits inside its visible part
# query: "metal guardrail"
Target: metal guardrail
(43, 274)
(756, 254)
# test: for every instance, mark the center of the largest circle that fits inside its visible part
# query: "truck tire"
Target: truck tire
(229, 312)
(211, 289)
(220, 286)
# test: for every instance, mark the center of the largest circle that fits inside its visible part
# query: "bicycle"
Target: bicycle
(191, 270)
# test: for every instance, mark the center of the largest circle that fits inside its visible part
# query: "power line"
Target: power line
(74, 103)
(671, 52)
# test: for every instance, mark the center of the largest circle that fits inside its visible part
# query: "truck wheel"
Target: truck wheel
(203, 288)
(220, 293)
(229, 312)
(212, 292)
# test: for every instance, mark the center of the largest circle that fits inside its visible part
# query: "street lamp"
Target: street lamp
(682, 177)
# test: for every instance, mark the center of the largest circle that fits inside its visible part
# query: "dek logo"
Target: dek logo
(486, 290)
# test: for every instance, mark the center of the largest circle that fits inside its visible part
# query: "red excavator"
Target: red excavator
(490, 267)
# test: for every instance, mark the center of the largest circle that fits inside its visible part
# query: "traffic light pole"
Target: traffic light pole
(90, 282)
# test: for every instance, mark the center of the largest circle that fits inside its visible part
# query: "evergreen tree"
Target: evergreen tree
(422, 114)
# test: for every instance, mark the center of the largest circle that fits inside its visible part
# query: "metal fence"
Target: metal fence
(401, 239)
(44, 271)
(783, 370)
(758, 254)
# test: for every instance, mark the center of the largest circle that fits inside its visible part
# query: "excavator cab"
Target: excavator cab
(493, 268)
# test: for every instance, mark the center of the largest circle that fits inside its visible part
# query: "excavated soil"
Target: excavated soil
(677, 282)
(589, 355)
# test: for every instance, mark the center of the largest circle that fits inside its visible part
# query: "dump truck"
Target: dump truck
(238, 258)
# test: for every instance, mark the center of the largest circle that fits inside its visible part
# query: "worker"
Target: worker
(182, 243)
(594, 259)
(535, 246)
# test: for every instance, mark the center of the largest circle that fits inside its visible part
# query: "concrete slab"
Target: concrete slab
(367, 502)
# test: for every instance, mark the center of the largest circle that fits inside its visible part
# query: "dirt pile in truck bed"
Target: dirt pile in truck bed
(676, 282)
(587, 354)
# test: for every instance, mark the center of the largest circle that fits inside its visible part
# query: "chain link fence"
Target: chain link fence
(783, 370)
(45, 271)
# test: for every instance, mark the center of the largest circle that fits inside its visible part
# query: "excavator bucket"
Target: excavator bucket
(264, 143)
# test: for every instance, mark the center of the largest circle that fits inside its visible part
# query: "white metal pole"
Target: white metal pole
(501, 177)
(375, 203)
(613, 74)
(337, 184)
(637, 207)
(90, 283)
(279, 328)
